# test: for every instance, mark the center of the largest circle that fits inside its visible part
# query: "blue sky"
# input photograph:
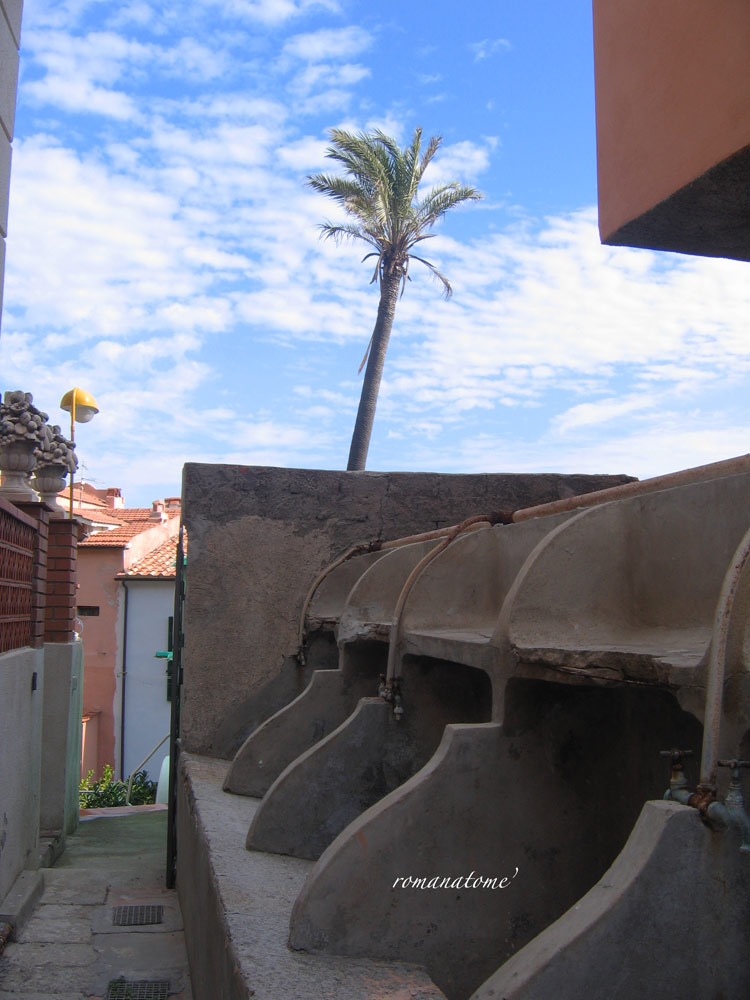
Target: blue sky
(163, 250)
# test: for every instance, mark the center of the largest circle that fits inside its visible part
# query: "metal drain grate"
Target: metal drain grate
(137, 916)
(143, 989)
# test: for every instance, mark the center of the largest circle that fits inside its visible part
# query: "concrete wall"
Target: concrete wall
(259, 537)
(22, 700)
(61, 737)
(673, 124)
(147, 711)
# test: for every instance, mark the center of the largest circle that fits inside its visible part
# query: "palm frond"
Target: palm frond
(441, 200)
(347, 232)
(447, 290)
(378, 189)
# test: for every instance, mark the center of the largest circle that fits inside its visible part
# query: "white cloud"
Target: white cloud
(489, 47)
(80, 71)
(462, 161)
(602, 411)
(303, 154)
(274, 12)
(328, 44)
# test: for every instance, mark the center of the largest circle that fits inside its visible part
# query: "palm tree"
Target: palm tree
(378, 189)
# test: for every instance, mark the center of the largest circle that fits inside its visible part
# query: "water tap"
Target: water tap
(677, 782)
(733, 810)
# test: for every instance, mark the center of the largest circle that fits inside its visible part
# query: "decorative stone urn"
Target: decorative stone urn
(55, 460)
(48, 481)
(16, 463)
(21, 432)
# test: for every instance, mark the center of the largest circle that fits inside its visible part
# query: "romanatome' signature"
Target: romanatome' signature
(471, 881)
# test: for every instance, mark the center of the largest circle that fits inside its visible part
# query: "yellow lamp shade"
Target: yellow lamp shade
(80, 404)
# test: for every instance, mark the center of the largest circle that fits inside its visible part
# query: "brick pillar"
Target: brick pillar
(39, 578)
(62, 553)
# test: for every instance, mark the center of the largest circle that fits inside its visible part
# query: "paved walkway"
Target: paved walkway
(71, 948)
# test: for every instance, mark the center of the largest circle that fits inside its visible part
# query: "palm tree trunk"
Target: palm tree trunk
(373, 373)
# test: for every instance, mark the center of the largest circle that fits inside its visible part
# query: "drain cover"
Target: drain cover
(136, 916)
(143, 989)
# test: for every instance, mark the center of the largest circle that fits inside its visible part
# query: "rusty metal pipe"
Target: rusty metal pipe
(424, 562)
(355, 550)
(699, 474)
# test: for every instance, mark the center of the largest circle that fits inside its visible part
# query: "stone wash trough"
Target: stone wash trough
(488, 707)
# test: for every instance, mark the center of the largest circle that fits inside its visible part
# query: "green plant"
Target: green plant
(143, 791)
(108, 791)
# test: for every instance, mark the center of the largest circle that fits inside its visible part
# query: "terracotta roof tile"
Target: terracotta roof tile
(105, 516)
(159, 564)
(132, 521)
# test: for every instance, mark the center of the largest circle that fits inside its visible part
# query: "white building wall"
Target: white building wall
(10, 38)
(147, 710)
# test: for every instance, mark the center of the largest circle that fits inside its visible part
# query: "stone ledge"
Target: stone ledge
(19, 903)
(236, 906)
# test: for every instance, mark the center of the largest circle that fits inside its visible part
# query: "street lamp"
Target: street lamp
(82, 407)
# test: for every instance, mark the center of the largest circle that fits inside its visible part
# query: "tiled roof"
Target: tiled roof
(159, 564)
(104, 516)
(132, 521)
(83, 493)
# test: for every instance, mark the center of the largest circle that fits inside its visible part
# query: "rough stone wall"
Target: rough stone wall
(259, 537)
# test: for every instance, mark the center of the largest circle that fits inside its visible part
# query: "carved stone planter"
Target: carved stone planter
(17, 461)
(48, 481)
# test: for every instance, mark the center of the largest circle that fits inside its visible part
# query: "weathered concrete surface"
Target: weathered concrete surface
(333, 591)
(61, 737)
(369, 755)
(237, 905)
(326, 702)
(553, 792)
(22, 700)
(245, 715)
(70, 947)
(648, 570)
(312, 801)
(371, 603)
(258, 539)
(669, 920)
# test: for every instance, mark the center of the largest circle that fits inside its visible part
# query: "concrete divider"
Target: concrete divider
(369, 755)
(536, 794)
(635, 930)
(328, 700)
(327, 787)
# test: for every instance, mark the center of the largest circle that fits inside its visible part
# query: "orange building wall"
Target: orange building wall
(98, 587)
(673, 98)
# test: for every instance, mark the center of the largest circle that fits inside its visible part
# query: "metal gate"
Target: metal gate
(176, 690)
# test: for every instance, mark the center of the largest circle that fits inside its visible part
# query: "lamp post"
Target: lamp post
(82, 407)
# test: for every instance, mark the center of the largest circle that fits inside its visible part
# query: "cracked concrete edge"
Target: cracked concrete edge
(21, 900)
